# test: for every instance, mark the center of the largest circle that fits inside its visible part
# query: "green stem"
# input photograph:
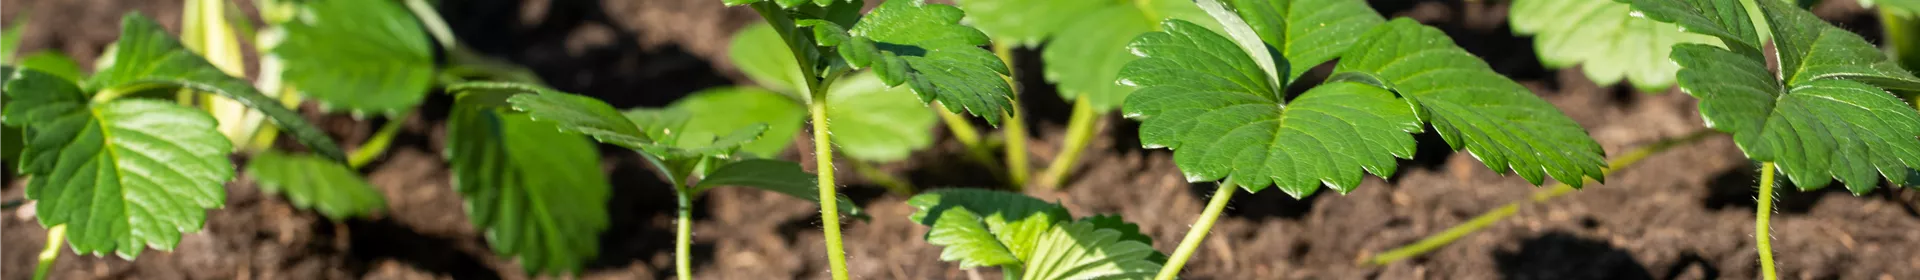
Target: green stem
(56, 237)
(893, 183)
(683, 240)
(1555, 190)
(1080, 129)
(436, 26)
(829, 208)
(1018, 168)
(968, 136)
(375, 145)
(1762, 219)
(1199, 231)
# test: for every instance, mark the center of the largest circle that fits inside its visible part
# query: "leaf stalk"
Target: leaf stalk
(1080, 130)
(1201, 227)
(1763, 215)
(683, 237)
(1018, 169)
(376, 145)
(56, 237)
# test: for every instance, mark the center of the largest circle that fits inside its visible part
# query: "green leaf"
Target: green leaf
(1016, 221)
(313, 182)
(924, 46)
(538, 193)
(359, 55)
(56, 63)
(993, 228)
(718, 111)
(1472, 107)
(779, 176)
(1604, 38)
(760, 53)
(1084, 250)
(872, 122)
(124, 175)
(1724, 19)
(1085, 64)
(1201, 97)
(1308, 32)
(1272, 64)
(574, 113)
(1027, 23)
(1811, 49)
(145, 57)
(1826, 120)
(10, 38)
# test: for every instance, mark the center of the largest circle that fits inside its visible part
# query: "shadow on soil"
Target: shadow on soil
(1560, 255)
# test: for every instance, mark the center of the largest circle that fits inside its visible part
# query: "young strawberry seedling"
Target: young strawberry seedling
(1826, 114)
(921, 46)
(1220, 103)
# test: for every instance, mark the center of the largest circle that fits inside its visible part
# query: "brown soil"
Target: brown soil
(1686, 213)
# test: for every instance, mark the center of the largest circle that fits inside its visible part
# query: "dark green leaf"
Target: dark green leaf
(925, 47)
(123, 175)
(1085, 64)
(146, 57)
(359, 55)
(1472, 107)
(574, 113)
(783, 177)
(1724, 19)
(538, 193)
(1604, 38)
(1810, 49)
(56, 63)
(1308, 32)
(313, 182)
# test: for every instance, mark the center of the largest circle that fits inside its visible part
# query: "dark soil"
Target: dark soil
(1683, 214)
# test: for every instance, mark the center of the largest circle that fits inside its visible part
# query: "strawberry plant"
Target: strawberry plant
(1083, 64)
(1032, 239)
(1826, 114)
(921, 46)
(1220, 103)
(687, 153)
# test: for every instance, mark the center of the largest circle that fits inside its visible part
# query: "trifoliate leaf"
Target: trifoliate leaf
(1084, 250)
(1085, 64)
(779, 176)
(1015, 220)
(56, 63)
(1604, 38)
(1826, 120)
(124, 175)
(991, 228)
(1308, 32)
(1472, 107)
(924, 46)
(873, 122)
(145, 57)
(1203, 98)
(1027, 23)
(312, 182)
(359, 55)
(585, 115)
(717, 111)
(760, 53)
(536, 191)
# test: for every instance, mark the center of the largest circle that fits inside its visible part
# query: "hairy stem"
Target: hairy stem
(1016, 130)
(375, 145)
(1761, 222)
(56, 237)
(1199, 232)
(829, 204)
(893, 183)
(1555, 190)
(683, 239)
(1080, 129)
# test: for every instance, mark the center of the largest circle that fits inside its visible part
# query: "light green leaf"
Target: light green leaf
(872, 122)
(1085, 64)
(1724, 19)
(1027, 23)
(1016, 221)
(1604, 38)
(1472, 107)
(718, 111)
(924, 46)
(56, 63)
(967, 240)
(359, 55)
(779, 176)
(538, 193)
(123, 175)
(1085, 250)
(145, 57)
(764, 57)
(1811, 49)
(313, 182)
(1199, 97)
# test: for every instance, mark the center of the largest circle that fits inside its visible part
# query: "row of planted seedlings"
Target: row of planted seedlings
(131, 156)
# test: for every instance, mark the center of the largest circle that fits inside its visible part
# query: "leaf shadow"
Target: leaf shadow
(1561, 255)
(1270, 203)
